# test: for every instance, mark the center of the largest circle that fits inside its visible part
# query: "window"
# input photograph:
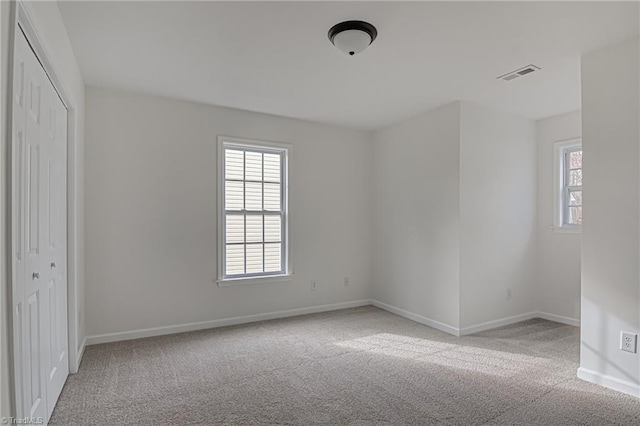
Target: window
(568, 185)
(253, 224)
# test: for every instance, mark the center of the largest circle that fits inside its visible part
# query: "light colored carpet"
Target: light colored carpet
(360, 366)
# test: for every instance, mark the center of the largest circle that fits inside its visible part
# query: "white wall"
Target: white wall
(5, 25)
(51, 30)
(151, 213)
(610, 230)
(497, 215)
(454, 206)
(417, 220)
(558, 271)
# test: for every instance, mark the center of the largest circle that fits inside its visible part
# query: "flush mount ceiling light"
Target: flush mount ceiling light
(352, 36)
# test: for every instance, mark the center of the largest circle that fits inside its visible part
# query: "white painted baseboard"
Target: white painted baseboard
(417, 318)
(159, 331)
(517, 318)
(558, 318)
(609, 381)
(80, 355)
(477, 327)
(496, 323)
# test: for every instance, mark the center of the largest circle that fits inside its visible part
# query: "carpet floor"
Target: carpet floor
(361, 366)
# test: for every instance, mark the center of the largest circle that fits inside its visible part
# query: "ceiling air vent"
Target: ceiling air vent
(519, 73)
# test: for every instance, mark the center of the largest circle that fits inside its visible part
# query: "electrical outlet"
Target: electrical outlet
(628, 341)
(346, 281)
(508, 295)
(314, 285)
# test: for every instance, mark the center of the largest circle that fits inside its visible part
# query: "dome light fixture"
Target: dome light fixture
(352, 37)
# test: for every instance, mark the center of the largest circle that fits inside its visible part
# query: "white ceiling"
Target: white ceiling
(274, 57)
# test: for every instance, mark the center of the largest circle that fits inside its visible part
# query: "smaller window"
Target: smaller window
(568, 185)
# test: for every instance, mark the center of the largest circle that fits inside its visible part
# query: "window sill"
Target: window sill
(567, 229)
(255, 280)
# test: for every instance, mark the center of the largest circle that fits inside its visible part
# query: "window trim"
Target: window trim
(560, 148)
(262, 146)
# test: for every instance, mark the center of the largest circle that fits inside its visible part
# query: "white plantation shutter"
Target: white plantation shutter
(254, 210)
(572, 186)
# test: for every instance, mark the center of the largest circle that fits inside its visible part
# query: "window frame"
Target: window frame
(561, 190)
(263, 147)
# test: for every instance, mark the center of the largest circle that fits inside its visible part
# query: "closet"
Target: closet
(39, 236)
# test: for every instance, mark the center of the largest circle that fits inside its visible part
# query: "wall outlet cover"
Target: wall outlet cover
(628, 342)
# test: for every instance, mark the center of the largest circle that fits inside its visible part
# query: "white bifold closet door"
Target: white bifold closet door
(39, 233)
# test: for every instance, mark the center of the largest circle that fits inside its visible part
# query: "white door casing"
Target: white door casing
(39, 291)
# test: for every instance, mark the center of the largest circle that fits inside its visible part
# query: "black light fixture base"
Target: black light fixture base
(353, 25)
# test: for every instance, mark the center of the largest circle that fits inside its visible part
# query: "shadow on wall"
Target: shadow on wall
(608, 328)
